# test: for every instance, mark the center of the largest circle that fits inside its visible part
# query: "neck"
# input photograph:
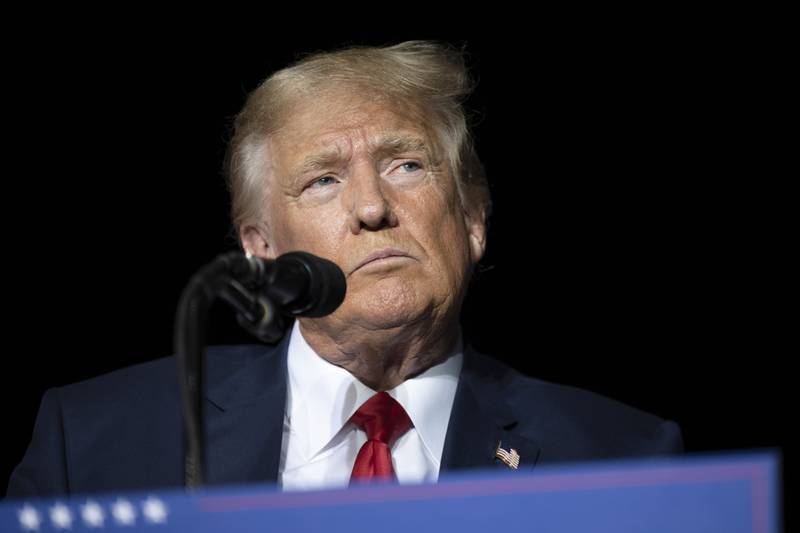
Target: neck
(382, 359)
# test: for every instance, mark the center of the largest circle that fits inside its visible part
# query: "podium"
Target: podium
(710, 493)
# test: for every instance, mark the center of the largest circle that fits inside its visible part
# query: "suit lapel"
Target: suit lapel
(483, 418)
(244, 418)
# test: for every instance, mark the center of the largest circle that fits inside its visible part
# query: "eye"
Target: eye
(324, 181)
(413, 166)
(406, 171)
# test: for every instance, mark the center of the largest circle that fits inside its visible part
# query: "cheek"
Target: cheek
(316, 231)
(441, 231)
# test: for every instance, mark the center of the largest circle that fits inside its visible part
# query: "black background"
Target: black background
(640, 244)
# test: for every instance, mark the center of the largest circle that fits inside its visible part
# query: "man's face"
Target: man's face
(353, 181)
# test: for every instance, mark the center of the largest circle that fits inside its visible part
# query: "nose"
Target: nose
(369, 207)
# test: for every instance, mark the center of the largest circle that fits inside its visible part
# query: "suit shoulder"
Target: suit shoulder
(158, 379)
(573, 420)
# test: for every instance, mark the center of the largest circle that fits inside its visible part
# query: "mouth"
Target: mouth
(380, 256)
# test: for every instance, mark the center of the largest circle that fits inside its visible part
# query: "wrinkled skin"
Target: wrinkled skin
(373, 184)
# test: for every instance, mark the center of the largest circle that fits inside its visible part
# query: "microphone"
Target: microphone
(266, 291)
(298, 283)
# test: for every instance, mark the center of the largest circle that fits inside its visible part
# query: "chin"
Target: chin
(384, 306)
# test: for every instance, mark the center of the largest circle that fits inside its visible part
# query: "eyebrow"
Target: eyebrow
(317, 161)
(387, 145)
(399, 143)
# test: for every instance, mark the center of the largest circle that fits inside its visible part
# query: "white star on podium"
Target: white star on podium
(92, 514)
(29, 518)
(154, 510)
(123, 512)
(60, 516)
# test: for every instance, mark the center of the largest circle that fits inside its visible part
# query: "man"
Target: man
(361, 156)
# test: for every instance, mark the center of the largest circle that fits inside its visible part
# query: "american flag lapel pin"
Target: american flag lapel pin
(510, 457)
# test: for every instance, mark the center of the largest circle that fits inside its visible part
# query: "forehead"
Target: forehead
(345, 123)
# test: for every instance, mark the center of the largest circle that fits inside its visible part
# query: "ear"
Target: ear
(255, 241)
(475, 222)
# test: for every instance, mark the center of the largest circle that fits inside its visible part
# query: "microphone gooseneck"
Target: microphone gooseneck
(263, 292)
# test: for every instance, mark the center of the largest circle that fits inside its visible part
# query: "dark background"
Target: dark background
(639, 248)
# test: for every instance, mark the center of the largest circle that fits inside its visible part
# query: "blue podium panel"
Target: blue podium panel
(727, 493)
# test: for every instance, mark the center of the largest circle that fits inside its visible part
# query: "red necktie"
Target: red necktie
(384, 420)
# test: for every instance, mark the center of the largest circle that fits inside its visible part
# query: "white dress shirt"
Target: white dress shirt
(320, 444)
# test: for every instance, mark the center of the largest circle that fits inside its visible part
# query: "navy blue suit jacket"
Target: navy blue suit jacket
(123, 430)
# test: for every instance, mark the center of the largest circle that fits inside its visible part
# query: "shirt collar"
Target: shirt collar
(322, 397)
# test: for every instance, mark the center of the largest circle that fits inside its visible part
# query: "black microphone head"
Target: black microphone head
(325, 282)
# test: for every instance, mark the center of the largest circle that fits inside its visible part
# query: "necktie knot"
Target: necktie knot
(384, 421)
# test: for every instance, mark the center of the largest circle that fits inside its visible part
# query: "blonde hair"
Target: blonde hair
(424, 76)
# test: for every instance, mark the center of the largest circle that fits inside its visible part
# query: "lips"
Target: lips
(381, 254)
